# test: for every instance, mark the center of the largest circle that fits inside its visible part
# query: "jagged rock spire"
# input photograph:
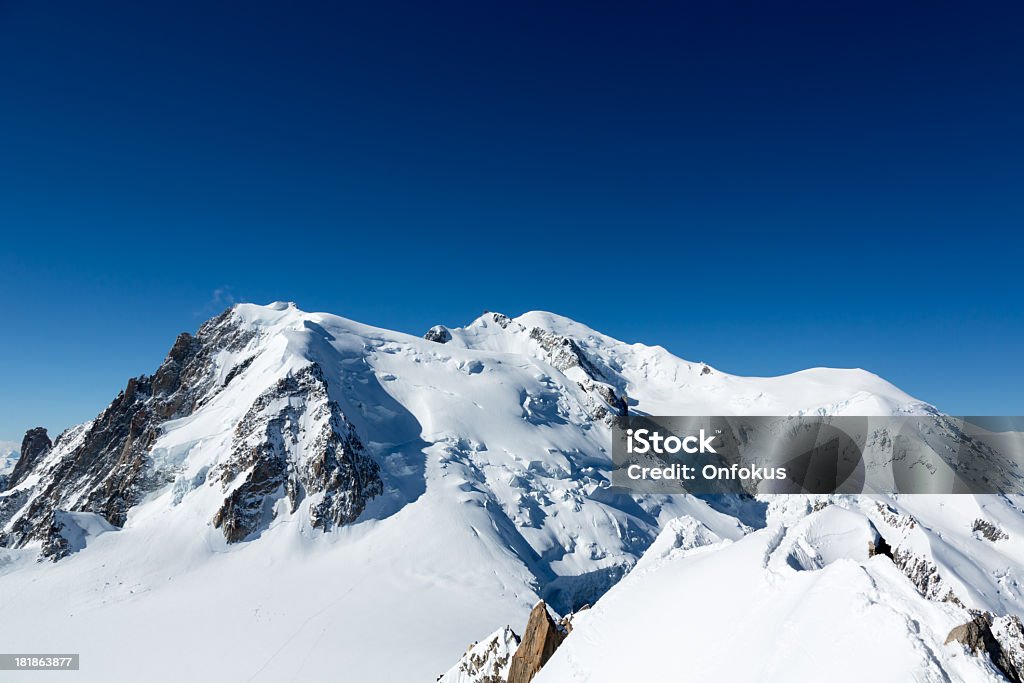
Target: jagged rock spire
(33, 447)
(540, 640)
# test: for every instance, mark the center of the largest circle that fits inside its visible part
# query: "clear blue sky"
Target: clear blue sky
(764, 187)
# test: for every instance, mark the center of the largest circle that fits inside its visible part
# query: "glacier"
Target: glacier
(298, 496)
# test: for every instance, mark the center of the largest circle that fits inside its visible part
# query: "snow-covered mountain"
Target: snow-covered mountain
(8, 458)
(298, 496)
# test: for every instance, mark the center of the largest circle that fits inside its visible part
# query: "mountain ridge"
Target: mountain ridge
(467, 476)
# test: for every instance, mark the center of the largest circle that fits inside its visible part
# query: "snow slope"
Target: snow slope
(8, 456)
(803, 599)
(492, 451)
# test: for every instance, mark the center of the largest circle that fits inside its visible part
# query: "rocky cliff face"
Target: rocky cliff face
(293, 441)
(978, 638)
(35, 445)
(492, 454)
(503, 657)
(540, 640)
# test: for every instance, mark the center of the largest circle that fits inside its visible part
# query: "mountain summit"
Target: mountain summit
(348, 488)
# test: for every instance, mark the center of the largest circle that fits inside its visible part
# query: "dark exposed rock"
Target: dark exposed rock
(1009, 633)
(238, 370)
(921, 571)
(565, 623)
(977, 636)
(893, 518)
(246, 506)
(923, 574)
(488, 662)
(540, 640)
(10, 504)
(564, 353)
(879, 547)
(605, 401)
(500, 319)
(55, 545)
(439, 334)
(277, 459)
(105, 467)
(983, 528)
(34, 446)
(608, 394)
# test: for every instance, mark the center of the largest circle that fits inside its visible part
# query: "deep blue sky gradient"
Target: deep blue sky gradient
(764, 187)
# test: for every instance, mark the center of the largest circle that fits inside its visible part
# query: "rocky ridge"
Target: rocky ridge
(471, 468)
(294, 441)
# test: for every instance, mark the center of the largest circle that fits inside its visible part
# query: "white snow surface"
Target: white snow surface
(496, 478)
(801, 600)
(9, 454)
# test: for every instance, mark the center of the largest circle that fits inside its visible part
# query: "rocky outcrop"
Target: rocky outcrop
(504, 658)
(104, 467)
(604, 402)
(565, 623)
(925, 576)
(921, 571)
(486, 661)
(439, 334)
(540, 640)
(34, 446)
(55, 543)
(1009, 633)
(295, 442)
(1001, 639)
(564, 353)
(985, 529)
(500, 319)
(976, 635)
(879, 547)
(604, 399)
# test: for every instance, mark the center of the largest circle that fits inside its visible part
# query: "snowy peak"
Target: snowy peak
(8, 460)
(8, 457)
(35, 444)
(272, 407)
(654, 382)
(466, 474)
(291, 440)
